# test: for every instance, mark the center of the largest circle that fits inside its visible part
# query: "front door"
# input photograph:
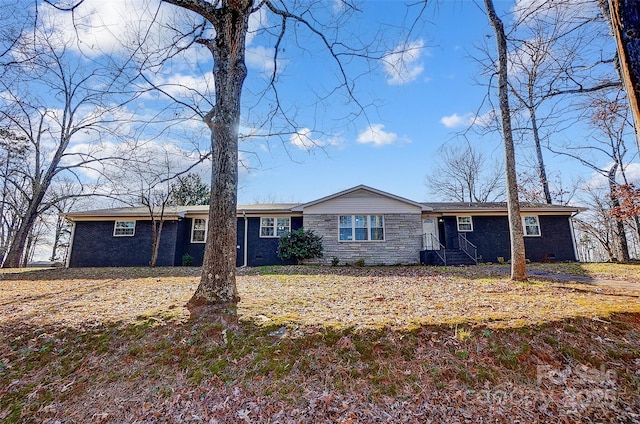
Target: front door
(430, 239)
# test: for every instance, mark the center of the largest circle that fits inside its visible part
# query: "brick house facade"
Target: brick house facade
(357, 224)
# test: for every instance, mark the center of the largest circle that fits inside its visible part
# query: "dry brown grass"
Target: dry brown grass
(396, 344)
(398, 297)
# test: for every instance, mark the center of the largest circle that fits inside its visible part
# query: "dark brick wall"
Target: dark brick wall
(197, 249)
(95, 245)
(182, 237)
(555, 243)
(264, 251)
(240, 243)
(491, 235)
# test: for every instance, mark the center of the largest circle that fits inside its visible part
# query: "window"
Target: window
(274, 227)
(465, 223)
(531, 226)
(361, 228)
(199, 230)
(124, 228)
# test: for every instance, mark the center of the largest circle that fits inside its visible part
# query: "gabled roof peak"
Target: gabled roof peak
(364, 188)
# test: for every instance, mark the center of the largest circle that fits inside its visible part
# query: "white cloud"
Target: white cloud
(455, 120)
(261, 58)
(183, 85)
(259, 19)
(402, 64)
(339, 6)
(100, 27)
(468, 119)
(599, 181)
(302, 140)
(377, 136)
(486, 119)
(525, 10)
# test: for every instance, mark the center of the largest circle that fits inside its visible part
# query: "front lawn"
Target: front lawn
(394, 344)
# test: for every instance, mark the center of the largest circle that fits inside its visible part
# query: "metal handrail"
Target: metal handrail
(467, 247)
(433, 241)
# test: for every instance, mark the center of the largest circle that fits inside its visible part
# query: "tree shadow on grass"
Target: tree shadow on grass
(560, 271)
(152, 368)
(50, 274)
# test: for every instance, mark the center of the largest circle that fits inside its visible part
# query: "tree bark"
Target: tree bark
(625, 23)
(17, 249)
(518, 257)
(619, 231)
(156, 234)
(542, 170)
(230, 21)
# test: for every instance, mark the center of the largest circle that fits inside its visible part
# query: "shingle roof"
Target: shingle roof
(444, 207)
(174, 212)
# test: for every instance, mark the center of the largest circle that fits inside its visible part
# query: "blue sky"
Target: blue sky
(410, 112)
(408, 124)
(433, 100)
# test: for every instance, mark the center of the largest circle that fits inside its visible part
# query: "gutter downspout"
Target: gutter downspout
(70, 248)
(246, 239)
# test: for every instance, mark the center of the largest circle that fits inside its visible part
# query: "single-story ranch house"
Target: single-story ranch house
(360, 223)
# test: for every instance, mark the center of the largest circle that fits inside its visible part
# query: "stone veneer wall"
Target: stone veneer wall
(402, 244)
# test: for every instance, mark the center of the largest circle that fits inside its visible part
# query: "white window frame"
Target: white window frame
(124, 229)
(470, 223)
(276, 230)
(368, 227)
(193, 229)
(536, 225)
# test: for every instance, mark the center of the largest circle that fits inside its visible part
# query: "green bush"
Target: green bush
(300, 244)
(187, 260)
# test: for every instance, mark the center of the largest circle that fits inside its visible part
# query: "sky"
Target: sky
(411, 107)
(419, 110)
(428, 103)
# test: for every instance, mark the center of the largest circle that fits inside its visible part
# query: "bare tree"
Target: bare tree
(463, 174)
(552, 49)
(156, 200)
(50, 98)
(607, 154)
(518, 257)
(13, 153)
(596, 223)
(147, 178)
(228, 21)
(530, 190)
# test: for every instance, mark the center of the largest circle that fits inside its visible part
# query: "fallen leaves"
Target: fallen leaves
(319, 345)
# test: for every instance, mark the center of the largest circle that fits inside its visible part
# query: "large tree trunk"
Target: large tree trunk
(625, 22)
(518, 257)
(230, 21)
(17, 249)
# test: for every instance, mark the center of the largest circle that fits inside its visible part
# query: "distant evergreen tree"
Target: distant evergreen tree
(190, 190)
